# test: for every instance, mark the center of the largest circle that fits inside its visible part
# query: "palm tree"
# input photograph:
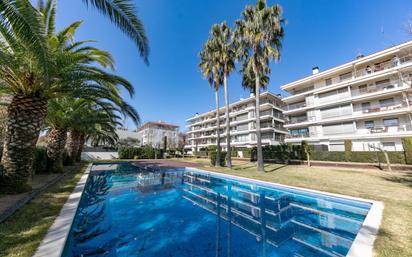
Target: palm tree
(258, 38)
(222, 38)
(120, 12)
(33, 71)
(212, 71)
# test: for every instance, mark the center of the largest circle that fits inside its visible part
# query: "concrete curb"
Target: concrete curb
(53, 243)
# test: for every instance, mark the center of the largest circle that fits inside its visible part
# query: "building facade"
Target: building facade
(202, 127)
(153, 133)
(367, 101)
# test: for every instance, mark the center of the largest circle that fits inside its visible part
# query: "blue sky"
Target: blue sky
(321, 33)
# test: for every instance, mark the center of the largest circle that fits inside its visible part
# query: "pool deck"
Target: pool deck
(55, 240)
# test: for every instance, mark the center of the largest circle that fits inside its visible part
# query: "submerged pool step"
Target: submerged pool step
(318, 249)
(326, 213)
(316, 229)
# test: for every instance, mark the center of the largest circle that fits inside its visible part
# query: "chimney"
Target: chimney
(315, 70)
(359, 56)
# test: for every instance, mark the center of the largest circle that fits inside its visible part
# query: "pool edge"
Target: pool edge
(363, 244)
(53, 243)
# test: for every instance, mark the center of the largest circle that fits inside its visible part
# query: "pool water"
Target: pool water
(131, 211)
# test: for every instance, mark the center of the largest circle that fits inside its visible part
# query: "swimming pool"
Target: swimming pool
(133, 211)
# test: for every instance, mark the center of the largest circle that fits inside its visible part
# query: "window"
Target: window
(337, 147)
(363, 88)
(328, 82)
(341, 110)
(389, 146)
(345, 76)
(366, 106)
(391, 122)
(340, 128)
(381, 82)
(369, 124)
(386, 102)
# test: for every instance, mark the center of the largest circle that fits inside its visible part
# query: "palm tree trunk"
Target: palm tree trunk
(217, 129)
(229, 150)
(26, 115)
(80, 150)
(56, 141)
(73, 144)
(257, 116)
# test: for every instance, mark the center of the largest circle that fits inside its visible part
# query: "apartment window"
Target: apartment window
(391, 122)
(336, 111)
(386, 102)
(336, 147)
(302, 131)
(369, 124)
(363, 88)
(366, 106)
(333, 95)
(345, 76)
(328, 82)
(389, 146)
(381, 82)
(340, 128)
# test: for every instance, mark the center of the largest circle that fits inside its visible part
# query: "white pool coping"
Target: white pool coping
(56, 237)
(54, 241)
(362, 246)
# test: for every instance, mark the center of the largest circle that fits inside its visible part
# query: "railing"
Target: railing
(373, 89)
(386, 129)
(294, 121)
(296, 106)
(303, 135)
(384, 108)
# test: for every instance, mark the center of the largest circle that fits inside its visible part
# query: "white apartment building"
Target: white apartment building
(153, 133)
(367, 100)
(202, 127)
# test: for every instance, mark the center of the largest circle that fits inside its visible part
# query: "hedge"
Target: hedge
(212, 157)
(364, 156)
(145, 152)
(407, 147)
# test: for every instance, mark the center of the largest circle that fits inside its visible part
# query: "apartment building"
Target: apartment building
(367, 100)
(153, 133)
(202, 127)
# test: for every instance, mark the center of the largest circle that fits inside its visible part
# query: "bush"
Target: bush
(212, 157)
(363, 156)
(348, 149)
(407, 147)
(145, 152)
(40, 160)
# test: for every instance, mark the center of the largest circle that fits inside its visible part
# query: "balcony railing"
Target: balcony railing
(296, 106)
(384, 108)
(373, 89)
(303, 135)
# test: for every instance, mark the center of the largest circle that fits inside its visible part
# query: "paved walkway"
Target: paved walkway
(10, 203)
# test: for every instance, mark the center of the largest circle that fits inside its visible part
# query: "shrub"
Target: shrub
(407, 147)
(145, 152)
(348, 149)
(212, 157)
(328, 156)
(367, 157)
(40, 160)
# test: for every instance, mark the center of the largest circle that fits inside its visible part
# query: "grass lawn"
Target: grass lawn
(394, 189)
(21, 234)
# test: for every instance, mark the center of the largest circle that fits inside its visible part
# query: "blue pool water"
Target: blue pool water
(131, 211)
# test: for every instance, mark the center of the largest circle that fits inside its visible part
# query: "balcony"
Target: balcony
(378, 108)
(370, 69)
(296, 106)
(374, 89)
(302, 135)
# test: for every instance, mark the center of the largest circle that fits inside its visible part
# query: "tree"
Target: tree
(221, 37)
(258, 36)
(120, 12)
(33, 71)
(212, 71)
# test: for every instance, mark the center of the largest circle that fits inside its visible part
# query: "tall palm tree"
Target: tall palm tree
(258, 37)
(122, 13)
(226, 55)
(32, 72)
(212, 71)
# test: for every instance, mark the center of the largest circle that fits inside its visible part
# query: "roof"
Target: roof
(157, 123)
(346, 65)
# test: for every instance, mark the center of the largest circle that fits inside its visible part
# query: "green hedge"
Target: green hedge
(368, 157)
(407, 147)
(212, 157)
(145, 152)
(283, 152)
